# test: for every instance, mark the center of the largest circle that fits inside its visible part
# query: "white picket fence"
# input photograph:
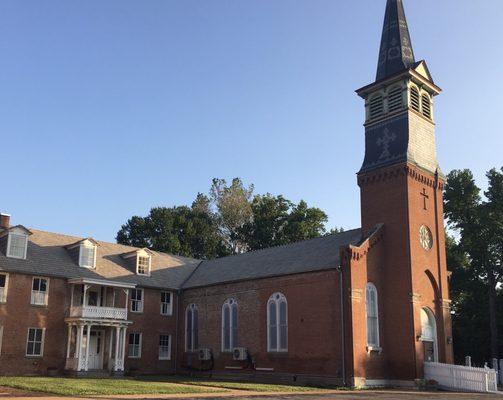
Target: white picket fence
(460, 378)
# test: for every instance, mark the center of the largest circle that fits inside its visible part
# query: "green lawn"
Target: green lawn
(87, 387)
(143, 385)
(233, 385)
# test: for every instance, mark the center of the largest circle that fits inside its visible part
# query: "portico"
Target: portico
(97, 325)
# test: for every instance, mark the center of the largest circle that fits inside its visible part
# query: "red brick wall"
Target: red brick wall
(151, 324)
(17, 315)
(314, 325)
(392, 196)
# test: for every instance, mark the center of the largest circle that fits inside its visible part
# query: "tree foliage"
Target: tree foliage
(477, 258)
(229, 220)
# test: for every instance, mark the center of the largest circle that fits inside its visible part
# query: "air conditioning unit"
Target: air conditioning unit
(240, 354)
(205, 354)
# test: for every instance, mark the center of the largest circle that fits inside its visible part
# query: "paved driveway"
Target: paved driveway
(376, 395)
(8, 393)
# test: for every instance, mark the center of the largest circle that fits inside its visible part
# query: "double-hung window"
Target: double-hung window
(229, 325)
(137, 300)
(39, 291)
(35, 342)
(165, 347)
(166, 303)
(87, 258)
(134, 349)
(371, 308)
(3, 288)
(17, 245)
(277, 323)
(191, 328)
(143, 265)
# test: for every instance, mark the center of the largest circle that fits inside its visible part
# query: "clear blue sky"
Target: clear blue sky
(110, 107)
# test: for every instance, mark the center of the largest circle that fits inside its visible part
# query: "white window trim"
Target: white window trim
(228, 303)
(1, 337)
(372, 346)
(41, 345)
(25, 245)
(3, 299)
(87, 246)
(276, 302)
(46, 297)
(139, 345)
(138, 264)
(169, 347)
(142, 302)
(191, 307)
(170, 309)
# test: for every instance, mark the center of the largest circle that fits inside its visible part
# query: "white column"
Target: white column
(68, 344)
(117, 336)
(123, 346)
(110, 349)
(87, 346)
(86, 287)
(71, 296)
(78, 350)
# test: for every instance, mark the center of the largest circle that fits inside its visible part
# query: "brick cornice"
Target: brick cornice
(355, 253)
(398, 171)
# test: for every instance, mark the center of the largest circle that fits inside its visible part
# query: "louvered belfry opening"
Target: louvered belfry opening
(395, 102)
(414, 99)
(376, 106)
(426, 105)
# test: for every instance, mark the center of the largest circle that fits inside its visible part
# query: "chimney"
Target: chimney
(4, 221)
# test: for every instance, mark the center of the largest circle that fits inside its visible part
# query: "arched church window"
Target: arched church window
(414, 98)
(395, 101)
(277, 323)
(376, 106)
(372, 315)
(191, 328)
(229, 325)
(426, 105)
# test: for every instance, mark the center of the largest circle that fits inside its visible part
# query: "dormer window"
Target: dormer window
(143, 264)
(17, 241)
(17, 245)
(87, 258)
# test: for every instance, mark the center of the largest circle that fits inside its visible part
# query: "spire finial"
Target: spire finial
(396, 51)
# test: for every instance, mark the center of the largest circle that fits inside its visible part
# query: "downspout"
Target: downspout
(343, 339)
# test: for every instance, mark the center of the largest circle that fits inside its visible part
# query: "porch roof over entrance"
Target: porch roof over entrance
(101, 282)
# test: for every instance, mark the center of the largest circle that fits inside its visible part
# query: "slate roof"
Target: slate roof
(47, 256)
(396, 53)
(306, 256)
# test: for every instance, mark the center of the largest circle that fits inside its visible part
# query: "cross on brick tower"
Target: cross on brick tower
(425, 197)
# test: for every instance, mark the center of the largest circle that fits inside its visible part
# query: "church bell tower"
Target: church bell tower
(401, 190)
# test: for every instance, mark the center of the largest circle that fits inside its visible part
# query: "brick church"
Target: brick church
(365, 307)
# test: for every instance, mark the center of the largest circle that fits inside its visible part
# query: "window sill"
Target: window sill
(133, 358)
(374, 349)
(136, 312)
(164, 358)
(39, 305)
(34, 357)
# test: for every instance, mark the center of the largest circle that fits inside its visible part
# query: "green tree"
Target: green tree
(233, 209)
(479, 222)
(184, 231)
(277, 221)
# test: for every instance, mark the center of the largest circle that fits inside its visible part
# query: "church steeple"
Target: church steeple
(396, 53)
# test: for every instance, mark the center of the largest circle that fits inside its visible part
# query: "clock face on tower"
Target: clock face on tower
(425, 237)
